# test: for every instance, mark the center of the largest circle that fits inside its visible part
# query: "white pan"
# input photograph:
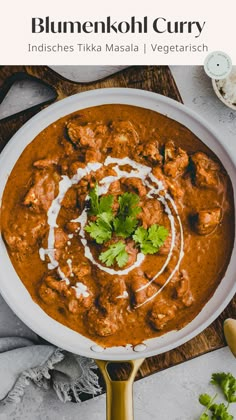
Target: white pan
(17, 296)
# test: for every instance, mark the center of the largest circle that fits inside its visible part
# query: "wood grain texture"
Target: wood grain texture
(155, 79)
(152, 78)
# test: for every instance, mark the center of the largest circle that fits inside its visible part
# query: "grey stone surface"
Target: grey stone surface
(197, 93)
(169, 395)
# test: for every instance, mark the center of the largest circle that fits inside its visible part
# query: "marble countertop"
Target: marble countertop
(168, 395)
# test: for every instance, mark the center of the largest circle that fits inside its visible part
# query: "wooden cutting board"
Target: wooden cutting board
(152, 78)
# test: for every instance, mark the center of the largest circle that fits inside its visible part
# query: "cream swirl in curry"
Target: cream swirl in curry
(118, 220)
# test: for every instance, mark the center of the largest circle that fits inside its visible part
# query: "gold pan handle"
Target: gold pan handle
(119, 393)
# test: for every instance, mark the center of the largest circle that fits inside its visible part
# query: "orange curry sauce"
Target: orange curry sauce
(116, 309)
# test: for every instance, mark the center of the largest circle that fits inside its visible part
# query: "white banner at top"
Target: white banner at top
(117, 33)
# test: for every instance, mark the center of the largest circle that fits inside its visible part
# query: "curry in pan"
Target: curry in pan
(119, 222)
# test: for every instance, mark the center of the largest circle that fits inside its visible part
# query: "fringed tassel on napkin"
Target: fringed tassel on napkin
(86, 383)
(68, 374)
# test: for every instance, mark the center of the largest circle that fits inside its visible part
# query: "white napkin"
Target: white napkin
(25, 358)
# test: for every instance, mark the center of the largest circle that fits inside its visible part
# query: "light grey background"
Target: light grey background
(173, 393)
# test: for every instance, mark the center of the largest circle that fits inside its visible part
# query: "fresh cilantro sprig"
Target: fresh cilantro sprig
(115, 253)
(122, 223)
(213, 411)
(150, 240)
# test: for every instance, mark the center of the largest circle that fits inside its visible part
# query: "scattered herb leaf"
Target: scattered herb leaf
(227, 383)
(213, 411)
(126, 222)
(204, 416)
(101, 229)
(206, 400)
(115, 253)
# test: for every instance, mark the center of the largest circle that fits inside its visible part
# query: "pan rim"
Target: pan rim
(8, 158)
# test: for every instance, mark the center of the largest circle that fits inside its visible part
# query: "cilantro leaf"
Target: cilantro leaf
(105, 204)
(125, 227)
(116, 252)
(128, 205)
(105, 219)
(150, 240)
(141, 237)
(98, 231)
(157, 235)
(220, 412)
(123, 224)
(205, 400)
(227, 383)
(94, 201)
(126, 222)
(204, 416)
(213, 411)
(101, 229)
(98, 204)
(122, 258)
(149, 248)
